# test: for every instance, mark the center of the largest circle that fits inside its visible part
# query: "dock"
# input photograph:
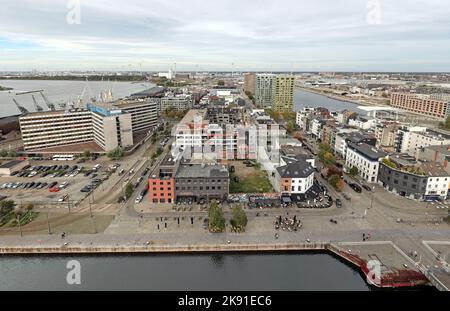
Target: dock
(392, 269)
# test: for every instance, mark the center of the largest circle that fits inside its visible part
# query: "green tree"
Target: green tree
(157, 153)
(326, 155)
(446, 124)
(6, 207)
(238, 218)
(354, 171)
(216, 218)
(12, 153)
(128, 191)
(220, 83)
(87, 154)
(116, 154)
(336, 182)
(3, 153)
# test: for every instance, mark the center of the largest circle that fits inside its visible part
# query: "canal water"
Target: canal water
(231, 272)
(304, 99)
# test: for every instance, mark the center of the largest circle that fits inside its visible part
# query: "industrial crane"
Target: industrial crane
(36, 105)
(22, 109)
(47, 102)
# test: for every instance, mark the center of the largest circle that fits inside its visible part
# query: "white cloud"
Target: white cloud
(258, 35)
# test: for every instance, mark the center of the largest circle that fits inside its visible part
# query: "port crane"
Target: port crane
(47, 102)
(36, 105)
(21, 108)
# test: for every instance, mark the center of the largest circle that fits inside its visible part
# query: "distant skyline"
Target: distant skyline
(285, 35)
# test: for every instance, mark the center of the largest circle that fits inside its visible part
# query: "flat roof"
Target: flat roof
(11, 164)
(72, 148)
(201, 171)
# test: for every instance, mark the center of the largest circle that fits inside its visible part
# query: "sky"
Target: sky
(242, 35)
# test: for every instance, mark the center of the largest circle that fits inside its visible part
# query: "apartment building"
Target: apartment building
(179, 102)
(403, 175)
(161, 184)
(296, 177)
(264, 90)
(283, 93)
(250, 83)
(366, 158)
(411, 139)
(421, 104)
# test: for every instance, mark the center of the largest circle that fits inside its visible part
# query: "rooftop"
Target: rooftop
(201, 171)
(433, 169)
(151, 92)
(297, 169)
(367, 151)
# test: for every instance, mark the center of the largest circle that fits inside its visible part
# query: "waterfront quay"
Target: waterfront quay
(396, 268)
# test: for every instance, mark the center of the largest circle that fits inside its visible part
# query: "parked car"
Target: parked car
(54, 189)
(368, 188)
(138, 199)
(338, 203)
(355, 187)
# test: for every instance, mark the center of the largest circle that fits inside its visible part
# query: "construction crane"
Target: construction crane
(22, 109)
(47, 102)
(36, 105)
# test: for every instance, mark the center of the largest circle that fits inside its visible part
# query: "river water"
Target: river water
(231, 272)
(60, 92)
(64, 91)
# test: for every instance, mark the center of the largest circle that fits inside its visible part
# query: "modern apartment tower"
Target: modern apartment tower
(250, 83)
(264, 90)
(275, 91)
(283, 93)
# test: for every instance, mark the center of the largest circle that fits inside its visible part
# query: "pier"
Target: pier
(396, 269)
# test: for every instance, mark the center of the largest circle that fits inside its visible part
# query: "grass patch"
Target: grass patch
(258, 182)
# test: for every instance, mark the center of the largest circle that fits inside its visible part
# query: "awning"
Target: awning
(286, 199)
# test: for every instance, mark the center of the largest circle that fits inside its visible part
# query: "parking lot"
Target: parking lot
(53, 183)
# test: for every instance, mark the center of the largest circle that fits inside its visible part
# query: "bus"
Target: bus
(63, 157)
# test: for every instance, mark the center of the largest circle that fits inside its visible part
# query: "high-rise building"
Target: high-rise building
(264, 90)
(283, 93)
(250, 83)
(275, 91)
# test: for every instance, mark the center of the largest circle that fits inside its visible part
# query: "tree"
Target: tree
(336, 182)
(87, 154)
(3, 153)
(333, 170)
(238, 218)
(354, 171)
(446, 124)
(6, 207)
(216, 218)
(326, 155)
(116, 154)
(290, 127)
(128, 191)
(220, 83)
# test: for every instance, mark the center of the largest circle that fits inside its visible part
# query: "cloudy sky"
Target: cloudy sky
(298, 35)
